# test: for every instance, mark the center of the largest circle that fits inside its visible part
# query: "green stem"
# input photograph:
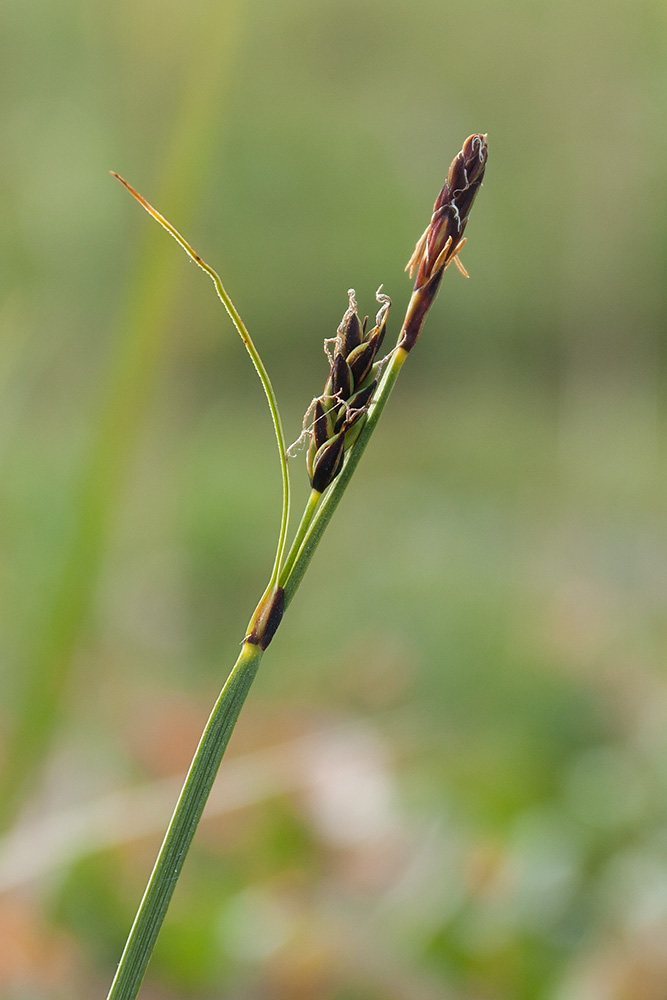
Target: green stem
(181, 830)
(306, 520)
(318, 523)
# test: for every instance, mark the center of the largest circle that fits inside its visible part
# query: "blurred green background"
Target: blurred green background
(450, 779)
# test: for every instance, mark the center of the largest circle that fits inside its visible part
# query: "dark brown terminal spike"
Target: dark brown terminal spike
(443, 239)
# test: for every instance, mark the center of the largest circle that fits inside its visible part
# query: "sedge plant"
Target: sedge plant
(338, 426)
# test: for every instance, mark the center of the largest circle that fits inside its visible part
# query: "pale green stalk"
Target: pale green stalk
(301, 532)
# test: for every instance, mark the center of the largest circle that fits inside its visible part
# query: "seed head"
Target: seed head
(347, 393)
(444, 234)
(443, 237)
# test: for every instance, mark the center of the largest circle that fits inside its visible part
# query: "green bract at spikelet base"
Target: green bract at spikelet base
(339, 424)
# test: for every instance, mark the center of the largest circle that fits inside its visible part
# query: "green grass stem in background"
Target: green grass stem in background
(138, 345)
(352, 399)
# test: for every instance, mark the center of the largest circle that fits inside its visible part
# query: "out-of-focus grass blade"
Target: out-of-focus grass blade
(139, 340)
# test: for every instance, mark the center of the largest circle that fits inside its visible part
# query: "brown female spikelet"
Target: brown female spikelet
(339, 412)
